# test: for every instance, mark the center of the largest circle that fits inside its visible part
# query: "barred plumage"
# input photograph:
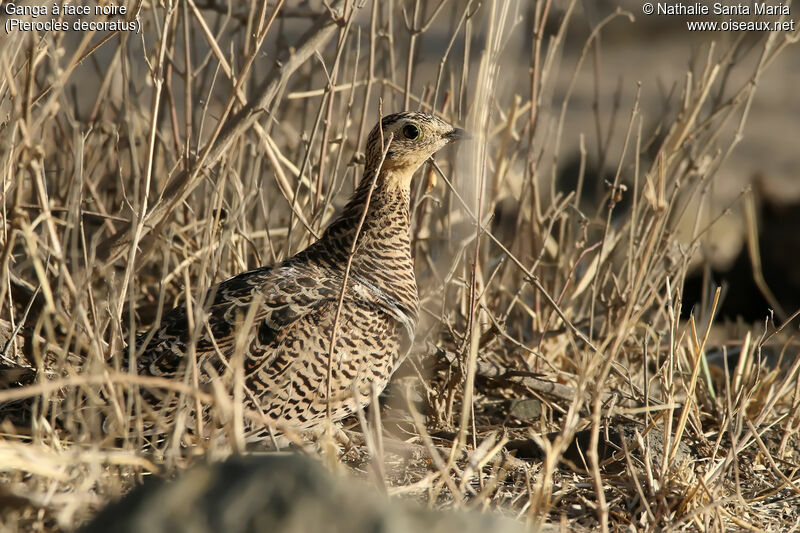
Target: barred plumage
(286, 358)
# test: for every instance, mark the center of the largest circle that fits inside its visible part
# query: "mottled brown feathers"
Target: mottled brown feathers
(288, 346)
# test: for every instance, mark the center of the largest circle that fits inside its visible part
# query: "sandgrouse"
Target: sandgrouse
(289, 368)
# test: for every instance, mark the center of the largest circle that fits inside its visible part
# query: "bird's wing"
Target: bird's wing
(281, 293)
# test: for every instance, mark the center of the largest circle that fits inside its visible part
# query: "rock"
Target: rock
(526, 410)
(278, 493)
(607, 448)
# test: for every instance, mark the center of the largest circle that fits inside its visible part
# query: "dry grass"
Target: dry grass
(139, 169)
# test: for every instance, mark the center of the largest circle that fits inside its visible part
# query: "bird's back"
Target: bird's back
(286, 347)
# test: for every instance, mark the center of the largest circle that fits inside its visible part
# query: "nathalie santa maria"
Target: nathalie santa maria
(720, 8)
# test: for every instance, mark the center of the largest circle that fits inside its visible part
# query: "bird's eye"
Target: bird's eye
(410, 131)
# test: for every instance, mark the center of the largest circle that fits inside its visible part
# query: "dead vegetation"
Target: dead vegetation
(553, 379)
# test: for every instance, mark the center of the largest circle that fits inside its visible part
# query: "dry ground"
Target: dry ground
(553, 379)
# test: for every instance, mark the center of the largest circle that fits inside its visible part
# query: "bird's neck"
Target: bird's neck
(382, 201)
(379, 213)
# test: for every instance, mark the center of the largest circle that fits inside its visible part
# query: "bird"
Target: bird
(358, 276)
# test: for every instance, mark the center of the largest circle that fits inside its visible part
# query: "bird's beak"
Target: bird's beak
(458, 135)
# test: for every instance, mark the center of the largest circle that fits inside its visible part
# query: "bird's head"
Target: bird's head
(412, 138)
